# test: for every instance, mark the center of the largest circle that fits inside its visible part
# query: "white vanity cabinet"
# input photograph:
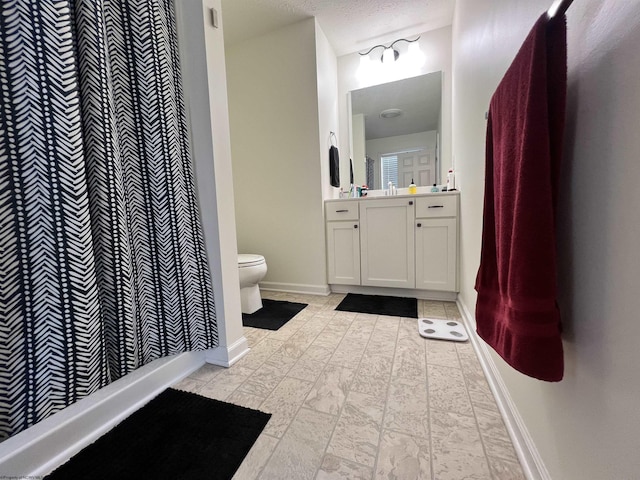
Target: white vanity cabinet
(387, 242)
(408, 242)
(437, 243)
(343, 242)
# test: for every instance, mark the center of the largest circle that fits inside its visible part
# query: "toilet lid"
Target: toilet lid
(249, 260)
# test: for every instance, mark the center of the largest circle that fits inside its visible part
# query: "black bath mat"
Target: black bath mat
(177, 435)
(273, 314)
(380, 305)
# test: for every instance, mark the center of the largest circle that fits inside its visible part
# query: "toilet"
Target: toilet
(252, 269)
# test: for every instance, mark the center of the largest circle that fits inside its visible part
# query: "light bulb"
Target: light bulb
(389, 56)
(365, 68)
(416, 57)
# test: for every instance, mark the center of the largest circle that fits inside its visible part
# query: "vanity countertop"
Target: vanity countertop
(382, 196)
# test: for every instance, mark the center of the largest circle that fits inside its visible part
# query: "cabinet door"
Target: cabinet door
(343, 252)
(436, 254)
(387, 243)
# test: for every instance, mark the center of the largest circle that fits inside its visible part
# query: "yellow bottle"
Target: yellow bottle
(412, 188)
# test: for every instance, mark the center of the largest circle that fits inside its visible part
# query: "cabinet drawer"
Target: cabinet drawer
(342, 211)
(437, 206)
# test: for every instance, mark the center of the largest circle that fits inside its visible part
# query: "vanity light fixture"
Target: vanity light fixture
(390, 54)
(392, 61)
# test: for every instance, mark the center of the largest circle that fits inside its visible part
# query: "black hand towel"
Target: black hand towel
(350, 172)
(334, 166)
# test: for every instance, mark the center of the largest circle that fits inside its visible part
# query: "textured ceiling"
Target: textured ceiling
(350, 25)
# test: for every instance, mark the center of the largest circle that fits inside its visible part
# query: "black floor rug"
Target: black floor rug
(380, 305)
(177, 435)
(273, 314)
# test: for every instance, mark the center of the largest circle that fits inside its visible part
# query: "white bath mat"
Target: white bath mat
(442, 329)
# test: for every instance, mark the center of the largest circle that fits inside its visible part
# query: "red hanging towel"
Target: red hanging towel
(516, 309)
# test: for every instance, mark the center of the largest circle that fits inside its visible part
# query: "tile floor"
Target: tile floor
(356, 396)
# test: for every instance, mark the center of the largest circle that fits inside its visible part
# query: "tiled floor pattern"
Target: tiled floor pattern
(357, 396)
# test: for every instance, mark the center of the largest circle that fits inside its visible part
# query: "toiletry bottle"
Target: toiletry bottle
(412, 188)
(451, 180)
(434, 189)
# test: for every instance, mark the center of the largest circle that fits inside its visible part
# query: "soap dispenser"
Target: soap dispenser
(434, 189)
(412, 188)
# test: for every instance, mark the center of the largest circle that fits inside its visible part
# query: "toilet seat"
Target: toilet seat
(249, 260)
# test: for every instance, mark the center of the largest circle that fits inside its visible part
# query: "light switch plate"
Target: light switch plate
(214, 17)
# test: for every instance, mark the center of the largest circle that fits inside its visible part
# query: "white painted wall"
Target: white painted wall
(585, 427)
(203, 66)
(436, 45)
(274, 116)
(327, 85)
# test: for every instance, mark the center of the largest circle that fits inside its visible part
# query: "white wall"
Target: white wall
(273, 109)
(203, 67)
(327, 84)
(585, 427)
(38, 450)
(436, 45)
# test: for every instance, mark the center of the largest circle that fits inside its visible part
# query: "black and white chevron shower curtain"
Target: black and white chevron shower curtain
(102, 260)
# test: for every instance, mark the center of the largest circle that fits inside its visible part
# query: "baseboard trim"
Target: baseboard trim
(530, 459)
(225, 356)
(396, 292)
(296, 288)
(48, 444)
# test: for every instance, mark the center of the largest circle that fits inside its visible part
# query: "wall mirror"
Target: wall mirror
(396, 129)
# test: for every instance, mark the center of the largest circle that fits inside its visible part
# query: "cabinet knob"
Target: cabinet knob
(419, 225)
(355, 226)
(411, 202)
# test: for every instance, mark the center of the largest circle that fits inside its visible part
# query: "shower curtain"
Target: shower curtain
(102, 259)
